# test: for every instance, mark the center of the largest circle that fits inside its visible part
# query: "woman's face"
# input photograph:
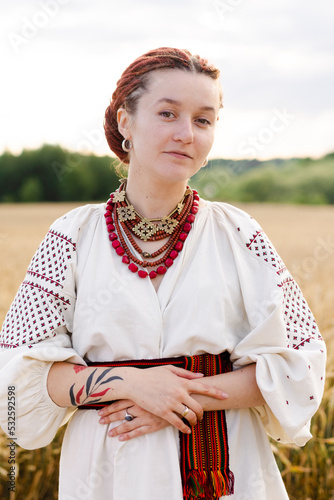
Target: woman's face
(173, 128)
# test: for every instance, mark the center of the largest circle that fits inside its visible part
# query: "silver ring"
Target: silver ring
(128, 417)
(185, 411)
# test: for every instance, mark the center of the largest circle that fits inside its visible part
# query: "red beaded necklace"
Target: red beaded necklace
(120, 214)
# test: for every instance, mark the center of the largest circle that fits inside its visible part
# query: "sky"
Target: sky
(61, 60)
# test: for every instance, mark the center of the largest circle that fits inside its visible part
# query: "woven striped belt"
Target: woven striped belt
(204, 457)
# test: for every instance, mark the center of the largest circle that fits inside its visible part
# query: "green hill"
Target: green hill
(297, 180)
(52, 173)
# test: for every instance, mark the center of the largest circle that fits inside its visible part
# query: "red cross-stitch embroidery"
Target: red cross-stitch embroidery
(300, 323)
(37, 310)
(263, 248)
(301, 327)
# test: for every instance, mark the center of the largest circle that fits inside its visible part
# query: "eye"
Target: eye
(167, 114)
(203, 121)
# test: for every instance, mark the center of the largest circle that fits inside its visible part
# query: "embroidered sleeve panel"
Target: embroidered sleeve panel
(33, 316)
(49, 264)
(251, 237)
(261, 246)
(38, 308)
(301, 327)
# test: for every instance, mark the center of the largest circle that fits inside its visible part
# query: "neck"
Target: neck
(154, 199)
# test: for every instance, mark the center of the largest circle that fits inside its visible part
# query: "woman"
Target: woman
(188, 287)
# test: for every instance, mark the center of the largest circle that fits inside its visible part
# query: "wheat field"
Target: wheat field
(302, 235)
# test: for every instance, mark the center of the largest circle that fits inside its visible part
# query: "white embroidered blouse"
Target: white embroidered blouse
(227, 290)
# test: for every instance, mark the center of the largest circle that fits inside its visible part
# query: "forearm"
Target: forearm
(162, 390)
(73, 385)
(241, 387)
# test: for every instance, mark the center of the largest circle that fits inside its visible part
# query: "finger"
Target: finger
(123, 428)
(191, 416)
(138, 431)
(112, 417)
(195, 408)
(138, 427)
(117, 406)
(176, 421)
(181, 372)
(207, 390)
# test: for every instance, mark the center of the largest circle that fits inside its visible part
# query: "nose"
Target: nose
(184, 131)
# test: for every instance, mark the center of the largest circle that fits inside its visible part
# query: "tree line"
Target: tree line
(52, 173)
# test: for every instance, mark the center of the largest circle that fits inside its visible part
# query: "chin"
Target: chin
(179, 170)
(175, 175)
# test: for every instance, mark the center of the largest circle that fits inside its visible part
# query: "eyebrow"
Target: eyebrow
(178, 103)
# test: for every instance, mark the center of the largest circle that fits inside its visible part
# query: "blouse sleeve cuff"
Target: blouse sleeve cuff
(38, 417)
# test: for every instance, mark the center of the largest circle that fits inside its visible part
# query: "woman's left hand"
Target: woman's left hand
(142, 423)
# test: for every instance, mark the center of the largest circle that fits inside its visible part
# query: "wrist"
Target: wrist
(124, 390)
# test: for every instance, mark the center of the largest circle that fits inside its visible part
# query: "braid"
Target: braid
(133, 84)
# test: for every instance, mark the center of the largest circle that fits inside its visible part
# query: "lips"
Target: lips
(179, 154)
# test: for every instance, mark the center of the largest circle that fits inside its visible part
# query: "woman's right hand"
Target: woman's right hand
(166, 391)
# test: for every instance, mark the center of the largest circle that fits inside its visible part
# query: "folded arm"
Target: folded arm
(240, 386)
(163, 391)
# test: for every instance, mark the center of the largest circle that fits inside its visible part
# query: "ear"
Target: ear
(123, 120)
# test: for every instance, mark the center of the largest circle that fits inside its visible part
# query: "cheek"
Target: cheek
(152, 134)
(206, 142)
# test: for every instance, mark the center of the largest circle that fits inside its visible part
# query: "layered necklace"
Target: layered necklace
(121, 218)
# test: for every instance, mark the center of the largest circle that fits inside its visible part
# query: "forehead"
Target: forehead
(182, 86)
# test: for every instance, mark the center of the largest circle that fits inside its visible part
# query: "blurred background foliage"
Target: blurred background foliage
(55, 174)
(295, 180)
(52, 173)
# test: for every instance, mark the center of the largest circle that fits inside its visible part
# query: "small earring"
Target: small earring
(127, 145)
(206, 161)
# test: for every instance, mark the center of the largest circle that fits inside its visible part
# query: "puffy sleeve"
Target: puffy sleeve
(37, 332)
(282, 336)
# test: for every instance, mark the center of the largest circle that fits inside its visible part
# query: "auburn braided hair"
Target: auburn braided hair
(134, 83)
